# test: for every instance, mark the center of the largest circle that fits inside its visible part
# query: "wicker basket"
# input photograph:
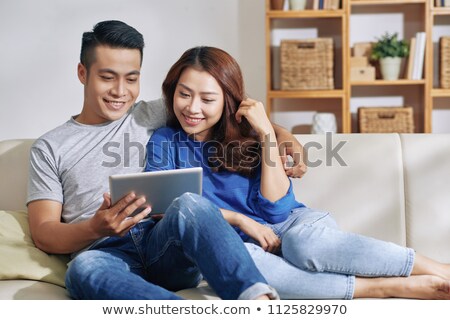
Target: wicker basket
(385, 119)
(307, 64)
(444, 45)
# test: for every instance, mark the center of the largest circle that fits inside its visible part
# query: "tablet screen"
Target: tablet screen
(160, 188)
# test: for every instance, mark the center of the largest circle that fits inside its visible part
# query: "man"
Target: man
(117, 256)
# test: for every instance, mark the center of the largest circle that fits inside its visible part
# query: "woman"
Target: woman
(300, 251)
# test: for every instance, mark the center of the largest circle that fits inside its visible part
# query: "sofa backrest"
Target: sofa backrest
(14, 158)
(371, 185)
(361, 185)
(426, 161)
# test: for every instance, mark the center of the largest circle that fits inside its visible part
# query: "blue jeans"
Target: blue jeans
(319, 261)
(156, 258)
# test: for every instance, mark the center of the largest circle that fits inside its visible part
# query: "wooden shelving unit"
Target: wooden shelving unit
(420, 93)
(433, 48)
(339, 18)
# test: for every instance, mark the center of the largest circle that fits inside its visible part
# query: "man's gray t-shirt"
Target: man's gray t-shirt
(72, 163)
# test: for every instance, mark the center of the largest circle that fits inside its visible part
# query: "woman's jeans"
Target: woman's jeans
(319, 261)
(154, 259)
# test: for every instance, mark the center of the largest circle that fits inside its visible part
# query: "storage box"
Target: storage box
(362, 49)
(362, 74)
(444, 60)
(307, 64)
(385, 119)
(358, 62)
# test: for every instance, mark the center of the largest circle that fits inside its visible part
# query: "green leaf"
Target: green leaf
(389, 46)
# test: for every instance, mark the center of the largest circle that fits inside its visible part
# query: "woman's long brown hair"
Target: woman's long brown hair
(236, 146)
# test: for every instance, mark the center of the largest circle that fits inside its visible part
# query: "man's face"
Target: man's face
(111, 86)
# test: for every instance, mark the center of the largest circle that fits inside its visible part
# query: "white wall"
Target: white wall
(40, 43)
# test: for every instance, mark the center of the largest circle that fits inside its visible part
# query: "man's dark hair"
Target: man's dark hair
(113, 34)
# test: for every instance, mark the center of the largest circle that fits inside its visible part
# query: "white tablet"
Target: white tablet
(160, 188)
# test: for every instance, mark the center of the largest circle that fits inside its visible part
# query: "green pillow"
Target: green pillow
(19, 257)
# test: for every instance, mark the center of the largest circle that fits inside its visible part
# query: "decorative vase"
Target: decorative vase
(276, 4)
(324, 122)
(390, 67)
(297, 4)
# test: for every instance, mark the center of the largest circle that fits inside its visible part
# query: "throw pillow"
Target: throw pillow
(20, 259)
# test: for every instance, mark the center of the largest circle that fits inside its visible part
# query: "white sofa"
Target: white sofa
(389, 186)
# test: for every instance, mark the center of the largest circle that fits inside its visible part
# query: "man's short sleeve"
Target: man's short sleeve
(152, 113)
(43, 178)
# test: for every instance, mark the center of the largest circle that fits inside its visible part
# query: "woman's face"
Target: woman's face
(198, 103)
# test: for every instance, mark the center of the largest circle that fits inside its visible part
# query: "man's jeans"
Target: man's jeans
(154, 259)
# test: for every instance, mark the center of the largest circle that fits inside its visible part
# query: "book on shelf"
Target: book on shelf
(315, 5)
(326, 4)
(412, 49)
(419, 56)
(321, 3)
(441, 3)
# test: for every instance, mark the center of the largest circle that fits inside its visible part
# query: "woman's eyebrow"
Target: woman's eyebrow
(203, 92)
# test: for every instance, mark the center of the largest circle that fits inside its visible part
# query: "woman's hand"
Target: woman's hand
(298, 167)
(264, 235)
(289, 146)
(255, 230)
(256, 115)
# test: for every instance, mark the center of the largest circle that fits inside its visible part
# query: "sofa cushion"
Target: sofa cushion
(20, 259)
(14, 155)
(31, 290)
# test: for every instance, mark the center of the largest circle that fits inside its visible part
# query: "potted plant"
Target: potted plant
(390, 51)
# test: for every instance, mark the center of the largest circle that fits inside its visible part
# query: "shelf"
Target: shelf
(324, 94)
(277, 14)
(401, 82)
(440, 93)
(441, 11)
(385, 2)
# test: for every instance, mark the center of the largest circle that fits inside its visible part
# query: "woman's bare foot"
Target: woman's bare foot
(413, 287)
(424, 265)
(425, 287)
